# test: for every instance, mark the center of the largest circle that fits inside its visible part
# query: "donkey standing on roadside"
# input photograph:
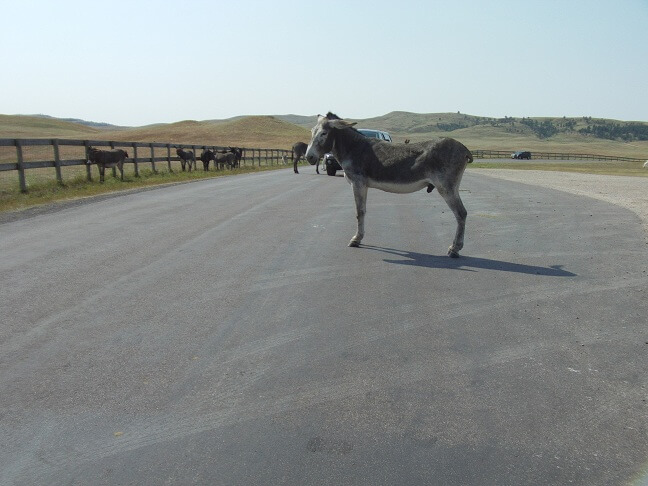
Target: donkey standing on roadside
(186, 157)
(299, 150)
(392, 167)
(206, 156)
(107, 158)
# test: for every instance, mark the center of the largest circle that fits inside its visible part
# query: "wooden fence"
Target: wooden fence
(503, 154)
(140, 153)
(144, 153)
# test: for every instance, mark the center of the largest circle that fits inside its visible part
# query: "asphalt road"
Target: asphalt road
(221, 332)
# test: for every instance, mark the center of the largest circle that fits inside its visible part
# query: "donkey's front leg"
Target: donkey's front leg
(360, 196)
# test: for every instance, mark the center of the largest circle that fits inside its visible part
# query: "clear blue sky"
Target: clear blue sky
(140, 62)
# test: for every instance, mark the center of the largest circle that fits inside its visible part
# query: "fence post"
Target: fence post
(114, 169)
(168, 147)
(135, 152)
(135, 162)
(153, 160)
(87, 156)
(21, 168)
(57, 162)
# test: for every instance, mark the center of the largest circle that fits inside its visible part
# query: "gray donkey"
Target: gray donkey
(393, 167)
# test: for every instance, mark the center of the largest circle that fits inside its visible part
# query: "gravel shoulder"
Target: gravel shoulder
(625, 191)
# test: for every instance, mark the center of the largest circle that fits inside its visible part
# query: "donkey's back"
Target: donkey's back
(410, 167)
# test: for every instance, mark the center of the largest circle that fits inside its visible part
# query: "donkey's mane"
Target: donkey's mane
(332, 116)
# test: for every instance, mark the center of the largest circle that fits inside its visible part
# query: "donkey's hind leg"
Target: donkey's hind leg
(360, 196)
(452, 199)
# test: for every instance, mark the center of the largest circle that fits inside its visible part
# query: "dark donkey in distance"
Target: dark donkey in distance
(186, 157)
(107, 158)
(299, 151)
(205, 157)
(398, 168)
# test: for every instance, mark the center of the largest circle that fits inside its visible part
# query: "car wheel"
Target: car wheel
(330, 171)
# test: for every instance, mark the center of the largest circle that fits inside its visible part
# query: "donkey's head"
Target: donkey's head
(323, 136)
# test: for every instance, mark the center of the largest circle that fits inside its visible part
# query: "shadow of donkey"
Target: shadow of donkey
(468, 263)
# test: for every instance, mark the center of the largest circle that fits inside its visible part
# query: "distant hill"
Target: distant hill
(23, 126)
(250, 131)
(100, 125)
(307, 122)
(404, 123)
(548, 134)
(557, 134)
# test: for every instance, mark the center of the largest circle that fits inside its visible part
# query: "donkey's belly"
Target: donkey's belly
(398, 187)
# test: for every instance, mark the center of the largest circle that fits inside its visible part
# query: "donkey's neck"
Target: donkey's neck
(348, 143)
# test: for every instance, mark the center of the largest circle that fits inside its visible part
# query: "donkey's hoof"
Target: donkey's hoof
(453, 254)
(354, 244)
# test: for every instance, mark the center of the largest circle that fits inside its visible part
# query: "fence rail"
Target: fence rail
(145, 155)
(503, 154)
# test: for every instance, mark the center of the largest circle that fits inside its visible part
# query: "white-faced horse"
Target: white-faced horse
(393, 167)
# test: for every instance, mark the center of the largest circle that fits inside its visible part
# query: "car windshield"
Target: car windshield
(370, 133)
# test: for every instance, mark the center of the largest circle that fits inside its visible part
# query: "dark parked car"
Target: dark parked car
(522, 154)
(332, 165)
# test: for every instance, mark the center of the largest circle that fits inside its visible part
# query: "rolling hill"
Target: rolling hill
(22, 126)
(250, 131)
(574, 135)
(101, 125)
